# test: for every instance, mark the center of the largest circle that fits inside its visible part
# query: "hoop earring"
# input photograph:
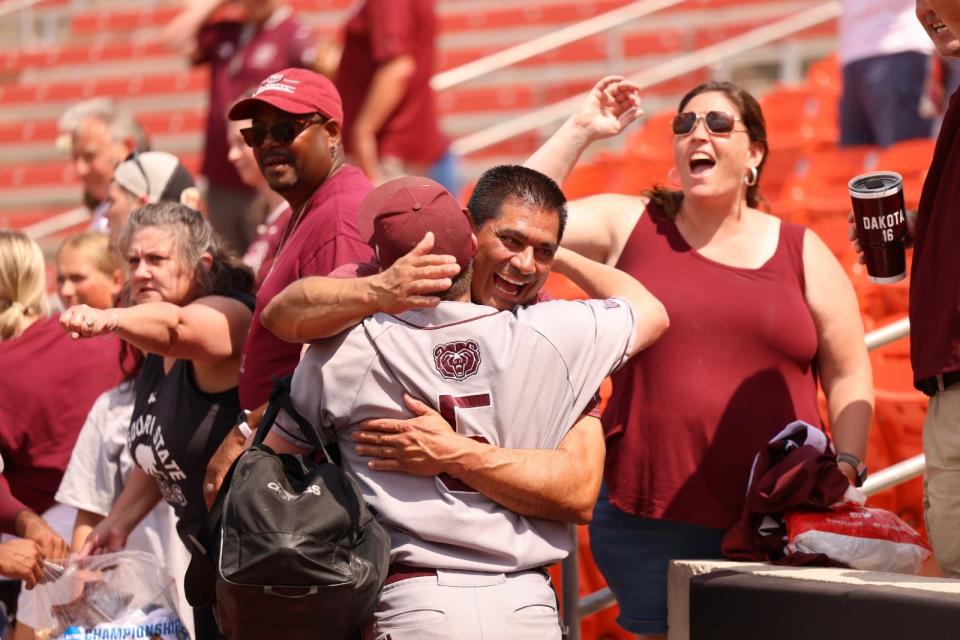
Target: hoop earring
(673, 177)
(752, 177)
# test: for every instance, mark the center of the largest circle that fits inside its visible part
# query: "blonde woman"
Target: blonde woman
(47, 385)
(88, 272)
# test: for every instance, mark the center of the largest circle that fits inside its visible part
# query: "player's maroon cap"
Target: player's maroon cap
(297, 91)
(395, 216)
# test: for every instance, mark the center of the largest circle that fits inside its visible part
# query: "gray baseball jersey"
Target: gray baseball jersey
(517, 380)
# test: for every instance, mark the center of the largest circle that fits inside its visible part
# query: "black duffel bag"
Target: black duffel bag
(290, 548)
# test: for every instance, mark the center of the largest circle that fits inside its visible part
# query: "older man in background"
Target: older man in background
(99, 135)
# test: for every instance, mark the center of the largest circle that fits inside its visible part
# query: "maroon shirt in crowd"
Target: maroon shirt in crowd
(9, 508)
(935, 277)
(324, 238)
(689, 413)
(48, 382)
(240, 58)
(379, 31)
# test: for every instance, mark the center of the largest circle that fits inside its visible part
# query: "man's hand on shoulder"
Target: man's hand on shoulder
(408, 282)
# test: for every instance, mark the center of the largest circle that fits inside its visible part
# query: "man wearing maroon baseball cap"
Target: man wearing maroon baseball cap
(296, 91)
(296, 140)
(398, 214)
(475, 541)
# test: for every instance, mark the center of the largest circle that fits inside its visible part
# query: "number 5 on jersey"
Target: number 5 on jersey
(448, 409)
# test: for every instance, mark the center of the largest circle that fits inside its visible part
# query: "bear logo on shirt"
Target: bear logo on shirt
(457, 360)
(143, 454)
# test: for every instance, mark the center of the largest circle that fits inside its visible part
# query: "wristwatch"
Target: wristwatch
(243, 424)
(857, 465)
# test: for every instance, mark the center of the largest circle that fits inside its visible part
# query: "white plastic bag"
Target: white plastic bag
(110, 596)
(861, 537)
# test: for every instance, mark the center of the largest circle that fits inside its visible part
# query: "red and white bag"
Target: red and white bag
(861, 537)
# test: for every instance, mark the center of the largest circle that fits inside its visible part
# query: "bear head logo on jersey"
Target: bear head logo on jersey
(457, 360)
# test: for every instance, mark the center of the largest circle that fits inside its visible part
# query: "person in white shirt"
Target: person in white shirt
(886, 60)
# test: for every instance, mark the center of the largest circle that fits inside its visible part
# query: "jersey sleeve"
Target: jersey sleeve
(591, 336)
(325, 386)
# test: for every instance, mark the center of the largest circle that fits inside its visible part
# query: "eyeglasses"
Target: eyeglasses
(283, 132)
(715, 121)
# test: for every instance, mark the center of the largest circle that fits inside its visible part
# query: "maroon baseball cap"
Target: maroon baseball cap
(395, 216)
(296, 91)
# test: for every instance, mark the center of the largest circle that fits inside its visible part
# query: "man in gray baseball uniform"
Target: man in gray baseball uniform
(464, 565)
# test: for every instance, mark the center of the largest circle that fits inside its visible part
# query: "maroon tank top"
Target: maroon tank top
(736, 365)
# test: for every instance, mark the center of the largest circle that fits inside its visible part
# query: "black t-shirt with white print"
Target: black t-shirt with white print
(175, 430)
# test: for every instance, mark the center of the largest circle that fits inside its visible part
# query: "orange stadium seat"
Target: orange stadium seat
(654, 137)
(156, 84)
(911, 159)
(824, 76)
(52, 56)
(878, 300)
(900, 411)
(471, 99)
(652, 43)
(99, 22)
(56, 173)
(818, 185)
(599, 176)
(542, 14)
(799, 118)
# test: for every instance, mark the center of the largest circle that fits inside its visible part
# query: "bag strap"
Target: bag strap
(280, 398)
(212, 521)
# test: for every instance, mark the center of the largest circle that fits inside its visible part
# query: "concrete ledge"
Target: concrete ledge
(849, 584)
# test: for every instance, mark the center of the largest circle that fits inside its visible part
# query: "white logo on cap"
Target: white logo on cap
(284, 88)
(277, 77)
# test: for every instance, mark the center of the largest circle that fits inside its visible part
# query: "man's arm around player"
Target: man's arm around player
(559, 484)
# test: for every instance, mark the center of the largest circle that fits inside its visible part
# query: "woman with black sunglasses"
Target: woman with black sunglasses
(760, 312)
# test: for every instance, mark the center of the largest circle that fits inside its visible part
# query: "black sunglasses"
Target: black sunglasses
(283, 132)
(716, 122)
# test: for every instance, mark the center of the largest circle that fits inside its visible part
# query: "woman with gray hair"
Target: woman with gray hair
(193, 308)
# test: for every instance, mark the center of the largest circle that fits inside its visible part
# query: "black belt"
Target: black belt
(933, 384)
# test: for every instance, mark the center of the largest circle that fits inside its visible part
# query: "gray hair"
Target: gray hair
(121, 125)
(193, 237)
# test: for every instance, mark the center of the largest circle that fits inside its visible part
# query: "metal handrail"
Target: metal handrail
(12, 6)
(57, 223)
(673, 69)
(892, 476)
(549, 42)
